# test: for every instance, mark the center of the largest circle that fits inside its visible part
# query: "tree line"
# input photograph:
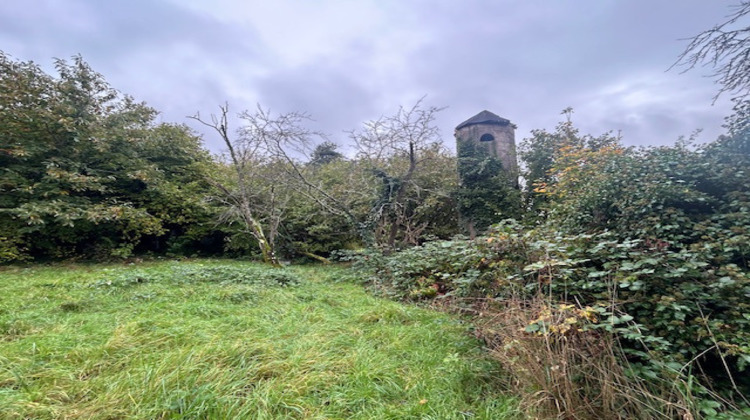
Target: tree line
(89, 173)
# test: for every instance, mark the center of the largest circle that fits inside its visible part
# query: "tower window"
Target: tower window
(487, 137)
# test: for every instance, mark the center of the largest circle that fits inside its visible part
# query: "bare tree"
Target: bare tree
(392, 151)
(256, 194)
(269, 158)
(725, 48)
(395, 148)
(286, 140)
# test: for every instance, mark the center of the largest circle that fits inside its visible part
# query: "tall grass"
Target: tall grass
(566, 370)
(177, 341)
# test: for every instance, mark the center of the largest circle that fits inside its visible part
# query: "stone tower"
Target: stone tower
(494, 136)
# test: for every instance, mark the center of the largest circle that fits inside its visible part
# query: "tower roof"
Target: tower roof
(484, 117)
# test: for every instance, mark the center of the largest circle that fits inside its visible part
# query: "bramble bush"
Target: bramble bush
(672, 312)
(655, 242)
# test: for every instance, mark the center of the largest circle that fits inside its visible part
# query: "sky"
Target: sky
(345, 62)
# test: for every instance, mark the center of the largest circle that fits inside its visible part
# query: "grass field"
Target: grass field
(228, 340)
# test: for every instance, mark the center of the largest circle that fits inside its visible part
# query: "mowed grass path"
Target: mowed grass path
(161, 340)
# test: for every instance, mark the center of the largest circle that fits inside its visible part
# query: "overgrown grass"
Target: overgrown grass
(206, 340)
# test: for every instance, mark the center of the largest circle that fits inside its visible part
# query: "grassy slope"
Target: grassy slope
(171, 349)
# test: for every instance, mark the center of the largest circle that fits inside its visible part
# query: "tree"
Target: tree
(726, 48)
(178, 168)
(308, 229)
(255, 192)
(543, 155)
(384, 193)
(387, 193)
(395, 150)
(325, 153)
(81, 171)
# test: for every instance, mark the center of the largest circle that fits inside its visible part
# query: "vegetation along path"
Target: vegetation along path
(218, 339)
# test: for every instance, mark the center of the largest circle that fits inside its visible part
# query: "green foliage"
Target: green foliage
(434, 268)
(656, 238)
(85, 170)
(675, 198)
(458, 267)
(423, 206)
(545, 151)
(11, 249)
(486, 194)
(325, 153)
(309, 230)
(671, 309)
(87, 173)
(682, 215)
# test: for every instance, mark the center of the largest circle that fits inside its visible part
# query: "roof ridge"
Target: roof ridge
(484, 117)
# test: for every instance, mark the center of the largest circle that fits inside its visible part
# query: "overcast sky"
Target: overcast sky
(348, 61)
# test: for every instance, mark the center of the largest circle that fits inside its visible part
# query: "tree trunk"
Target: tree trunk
(324, 260)
(266, 250)
(391, 245)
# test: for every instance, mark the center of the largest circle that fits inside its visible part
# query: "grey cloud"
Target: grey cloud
(335, 101)
(523, 60)
(107, 29)
(176, 60)
(555, 55)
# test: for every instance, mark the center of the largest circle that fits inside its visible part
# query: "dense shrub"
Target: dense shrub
(671, 311)
(88, 171)
(436, 268)
(486, 192)
(654, 240)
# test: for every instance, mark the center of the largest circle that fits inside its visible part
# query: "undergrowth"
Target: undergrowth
(589, 325)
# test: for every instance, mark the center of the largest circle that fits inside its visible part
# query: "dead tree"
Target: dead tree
(725, 48)
(245, 154)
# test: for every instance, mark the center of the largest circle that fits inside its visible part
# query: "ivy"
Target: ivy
(486, 193)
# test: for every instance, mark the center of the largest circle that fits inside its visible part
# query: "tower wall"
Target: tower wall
(502, 147)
